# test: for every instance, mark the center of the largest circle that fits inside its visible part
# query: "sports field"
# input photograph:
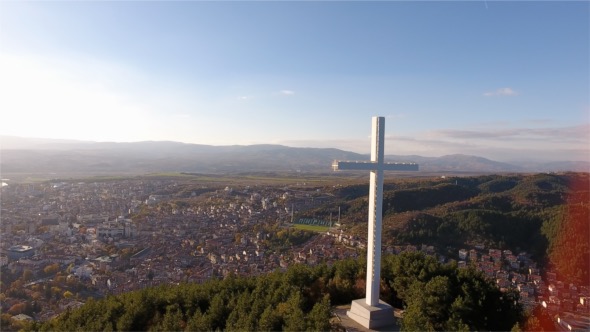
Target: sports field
(313, 228)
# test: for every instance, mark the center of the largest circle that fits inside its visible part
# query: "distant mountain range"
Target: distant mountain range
(48, 156)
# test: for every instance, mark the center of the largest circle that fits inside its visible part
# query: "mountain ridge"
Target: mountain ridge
(33, 155)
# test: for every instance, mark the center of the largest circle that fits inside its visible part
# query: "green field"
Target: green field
(312, 228)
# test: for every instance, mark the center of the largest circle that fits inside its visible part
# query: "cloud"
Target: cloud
(287, 92)
(501, 92)
(547, 143)
(430, 147)
(579, 133)
(540, 144)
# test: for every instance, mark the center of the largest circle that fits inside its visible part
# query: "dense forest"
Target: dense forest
(435, 296)
(545, 215)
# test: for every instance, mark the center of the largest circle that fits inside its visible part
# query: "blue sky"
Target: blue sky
(503, 80)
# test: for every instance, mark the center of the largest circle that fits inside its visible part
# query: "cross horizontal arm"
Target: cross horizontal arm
(372, 166)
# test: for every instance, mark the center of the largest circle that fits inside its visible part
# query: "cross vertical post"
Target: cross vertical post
(375, 213)
(372, 312)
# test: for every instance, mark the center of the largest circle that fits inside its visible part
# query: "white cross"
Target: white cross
(376, 166)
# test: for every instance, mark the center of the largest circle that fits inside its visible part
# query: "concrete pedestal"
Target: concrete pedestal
(371, 316)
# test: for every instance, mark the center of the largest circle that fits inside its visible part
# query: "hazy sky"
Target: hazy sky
(503, 80)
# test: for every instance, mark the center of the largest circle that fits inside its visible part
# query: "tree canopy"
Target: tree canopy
(435, 297)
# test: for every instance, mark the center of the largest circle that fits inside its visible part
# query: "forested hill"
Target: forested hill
(545, 215)
(436, 297)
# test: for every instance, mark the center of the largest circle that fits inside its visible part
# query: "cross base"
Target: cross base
(371, 316)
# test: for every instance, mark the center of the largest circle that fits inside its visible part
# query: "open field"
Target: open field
(312, 228)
